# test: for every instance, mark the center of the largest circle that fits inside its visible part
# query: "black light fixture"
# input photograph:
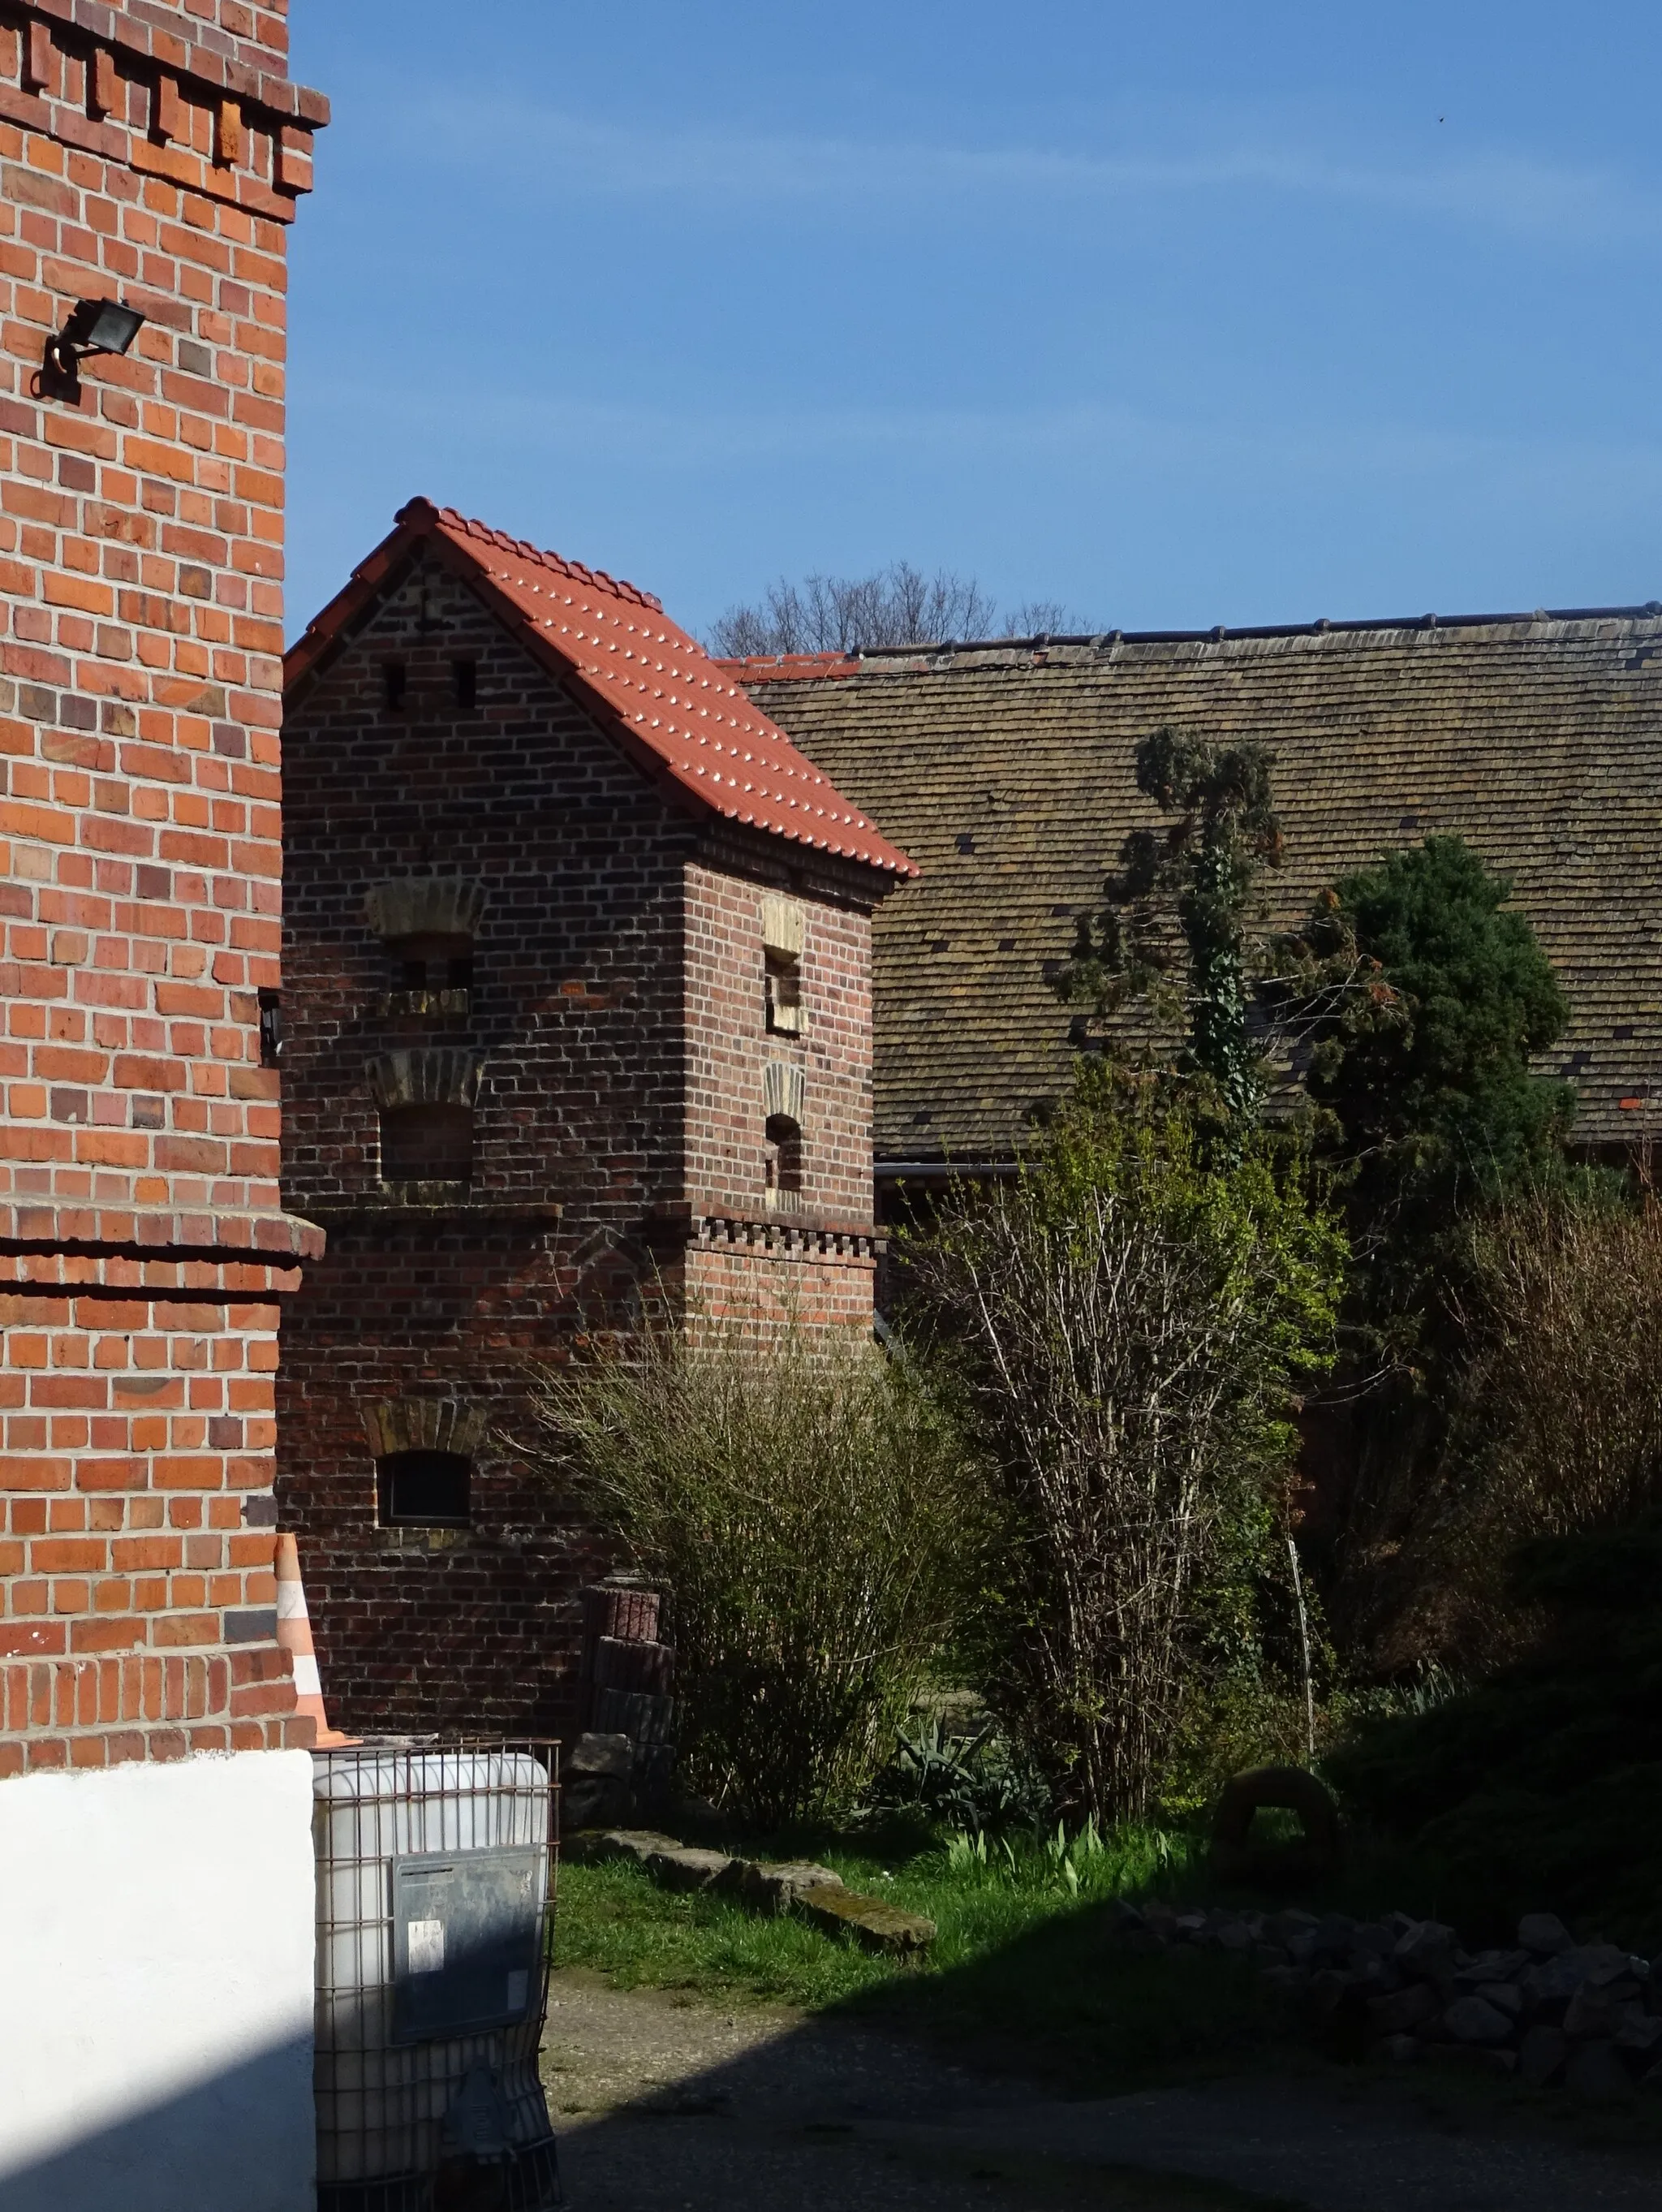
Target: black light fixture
(95, 326)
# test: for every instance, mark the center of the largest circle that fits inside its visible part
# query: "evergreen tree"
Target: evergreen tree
(1431, 996)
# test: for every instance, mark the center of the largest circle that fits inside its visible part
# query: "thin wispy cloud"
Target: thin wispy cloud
(669, 440)
(551, 153)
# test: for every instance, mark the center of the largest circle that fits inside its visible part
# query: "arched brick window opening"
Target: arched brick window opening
(425, 1099)
(781, 1159)
(426, 1143)
(424, 1490)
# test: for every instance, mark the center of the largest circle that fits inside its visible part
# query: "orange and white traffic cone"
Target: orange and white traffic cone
(294, 1636)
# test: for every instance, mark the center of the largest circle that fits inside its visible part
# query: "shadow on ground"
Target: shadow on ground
(1053, 2074)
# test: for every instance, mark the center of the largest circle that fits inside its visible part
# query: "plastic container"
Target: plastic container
(435, 1893)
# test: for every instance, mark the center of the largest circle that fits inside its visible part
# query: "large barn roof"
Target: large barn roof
(1007, 770)
(674, 710)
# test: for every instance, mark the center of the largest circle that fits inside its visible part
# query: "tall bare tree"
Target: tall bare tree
(1132, 1327)
(896, 606)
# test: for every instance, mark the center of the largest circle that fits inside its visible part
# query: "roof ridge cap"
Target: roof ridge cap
(422, 512)
(1222, 634)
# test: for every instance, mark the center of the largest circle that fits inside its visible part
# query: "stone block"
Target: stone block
(1426, 1952)
(1598, 2011)
(1505, 1996)
(1544, 1934)
(1403, 2010)
(1493, 1966)
(773, 1886)
(877, 1926)
(1471, 2019)
(1639, 2035)
(610, 1756)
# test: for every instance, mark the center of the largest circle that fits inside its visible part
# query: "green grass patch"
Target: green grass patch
(1025, 1956)
(617, 1920)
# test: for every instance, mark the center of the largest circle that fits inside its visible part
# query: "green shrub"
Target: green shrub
(973, 1781)
(1426, 996)
(1554, 1422)
(1130, 1321)
(820, 1527)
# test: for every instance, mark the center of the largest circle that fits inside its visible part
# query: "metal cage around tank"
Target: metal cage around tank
(435, 1895)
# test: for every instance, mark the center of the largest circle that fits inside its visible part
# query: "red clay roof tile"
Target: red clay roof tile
(674, 707)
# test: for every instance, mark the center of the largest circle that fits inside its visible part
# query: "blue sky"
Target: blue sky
(1180, 314)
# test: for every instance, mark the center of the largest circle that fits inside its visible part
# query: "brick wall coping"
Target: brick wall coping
(673, 1219)
(382, 1208)
(823, 1235)
(213, 1233)
(248, 99)
(207, 55)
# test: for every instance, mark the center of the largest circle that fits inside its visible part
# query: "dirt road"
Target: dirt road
(668, 2104)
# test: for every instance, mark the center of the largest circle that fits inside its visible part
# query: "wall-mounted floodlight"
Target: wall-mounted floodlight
(95, 326)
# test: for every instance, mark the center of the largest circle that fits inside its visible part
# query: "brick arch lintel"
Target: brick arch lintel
(425, 1076)
(424, 905)
(783, 1088)
(446, 1424)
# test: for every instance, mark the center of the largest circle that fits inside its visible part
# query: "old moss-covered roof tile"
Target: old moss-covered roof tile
(1006, 773)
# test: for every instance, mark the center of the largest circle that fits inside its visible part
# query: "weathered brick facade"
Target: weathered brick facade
(149, 154)
(509, 943)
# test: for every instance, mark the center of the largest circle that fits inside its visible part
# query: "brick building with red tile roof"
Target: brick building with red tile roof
(577, 1016)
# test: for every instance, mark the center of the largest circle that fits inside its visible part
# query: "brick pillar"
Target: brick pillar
(151, 155)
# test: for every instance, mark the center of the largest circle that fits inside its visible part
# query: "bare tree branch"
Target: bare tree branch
(896, 606)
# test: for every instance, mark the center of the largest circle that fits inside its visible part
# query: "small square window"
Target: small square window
(423, 1490)
(428, 1144)
(430, 974)
(464, 681)
(394, 679)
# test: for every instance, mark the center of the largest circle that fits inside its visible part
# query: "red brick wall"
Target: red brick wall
(728, 1045)
(150, 152)
(738, 1275)
(617, 1009)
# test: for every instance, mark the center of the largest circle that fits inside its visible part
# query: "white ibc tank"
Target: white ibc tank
(434, 1907)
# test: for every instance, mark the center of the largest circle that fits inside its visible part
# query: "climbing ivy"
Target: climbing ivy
(1199, 871)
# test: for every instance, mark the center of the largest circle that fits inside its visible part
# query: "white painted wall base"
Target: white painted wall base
(156, 1946)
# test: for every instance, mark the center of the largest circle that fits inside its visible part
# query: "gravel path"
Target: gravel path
(670, 2104)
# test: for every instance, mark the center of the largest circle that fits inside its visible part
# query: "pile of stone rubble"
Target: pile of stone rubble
(1552, 2012)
